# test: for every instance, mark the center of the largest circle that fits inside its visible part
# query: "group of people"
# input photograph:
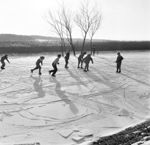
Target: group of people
(86, 60)
(81, 59)
(39, 62)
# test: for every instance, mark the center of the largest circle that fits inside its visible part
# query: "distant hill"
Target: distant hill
(13, 37)
(17, 38)
(11, 43)
(13, 40)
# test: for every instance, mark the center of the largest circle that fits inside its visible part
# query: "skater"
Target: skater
(80, 59)
(87, 60)
(39, 62)
(3, 58)
(54, 65)
(67, 59)
(118, 62)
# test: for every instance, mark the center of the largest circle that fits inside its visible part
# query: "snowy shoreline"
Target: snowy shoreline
(138, 134)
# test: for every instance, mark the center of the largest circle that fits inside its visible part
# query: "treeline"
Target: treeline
(122, 45)
(97, 46)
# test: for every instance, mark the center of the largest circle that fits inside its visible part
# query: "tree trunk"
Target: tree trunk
(73, 49)
(62, 46)
(91, 45)
(82, 49)
(72, 46)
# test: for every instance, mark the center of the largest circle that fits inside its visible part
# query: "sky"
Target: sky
(121, 19)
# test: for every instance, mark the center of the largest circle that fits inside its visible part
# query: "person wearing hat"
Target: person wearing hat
(3, 58)
(118, 62)
(39, 62)
(54, 65)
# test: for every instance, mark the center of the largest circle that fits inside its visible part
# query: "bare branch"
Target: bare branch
(56, 23)
(84, 19)
(67, 24)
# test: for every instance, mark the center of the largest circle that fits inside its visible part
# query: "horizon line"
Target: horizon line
(30, 35)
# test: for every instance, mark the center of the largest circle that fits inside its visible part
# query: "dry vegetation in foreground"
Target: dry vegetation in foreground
(139, 133)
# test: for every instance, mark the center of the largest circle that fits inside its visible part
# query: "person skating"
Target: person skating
(3, 58)
(39, 62)
(80, 59)
(87, 60)
(54, 65)
(118, 62)
(67, 59)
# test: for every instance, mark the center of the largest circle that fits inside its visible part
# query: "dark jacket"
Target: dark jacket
(119, 59)
(3, 58)
(67, 56)
(87, 59)
(81, 56)
(39, 61)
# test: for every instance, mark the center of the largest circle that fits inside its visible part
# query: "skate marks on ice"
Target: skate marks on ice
(133, 85)
(32, 103)
(71, 102)
(133, 70)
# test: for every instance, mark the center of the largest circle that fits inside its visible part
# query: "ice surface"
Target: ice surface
(75, 103)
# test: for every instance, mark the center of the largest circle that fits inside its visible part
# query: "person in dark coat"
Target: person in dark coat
(118, 62)
(67, 59)
(3, 58)
(54, 65)
(39, 62)
(80, 59)
(87, 60)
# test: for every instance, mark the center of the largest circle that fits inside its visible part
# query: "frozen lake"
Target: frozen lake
(75, 106)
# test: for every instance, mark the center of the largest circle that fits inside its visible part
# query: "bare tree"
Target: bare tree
(96, 21)
(62, 25)
(88, 18)
(55, 22)
(67, 23)
(84, 20)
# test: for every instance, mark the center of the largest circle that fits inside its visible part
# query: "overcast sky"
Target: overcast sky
(122, 19)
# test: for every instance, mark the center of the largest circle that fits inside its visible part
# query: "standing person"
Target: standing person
(67, 59)
(118, 62)
(3, 58)
(87, 60)
(54, 65)
(80, 59)
(39, 62)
